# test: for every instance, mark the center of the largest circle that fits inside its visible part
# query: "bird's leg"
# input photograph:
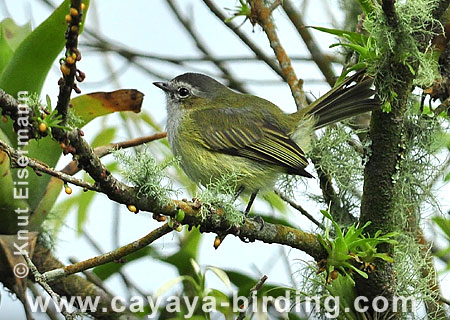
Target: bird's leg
(258, 219)
(238, 192)
(250, 202)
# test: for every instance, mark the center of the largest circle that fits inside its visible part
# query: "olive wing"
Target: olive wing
(240, 132)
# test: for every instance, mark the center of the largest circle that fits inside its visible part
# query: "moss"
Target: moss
(146, 174)
(340, 159)
(221, 194)
(418, 167)
(412, 281)
(406, 44)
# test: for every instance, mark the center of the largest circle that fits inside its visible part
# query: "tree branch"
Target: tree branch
(43, 283)
(378, 202)
(244, 38)
(321, 60)
(134, 246)
(72, 55)
(203, 48)
(77, 286)
(261, 14)
(300, 209)
(18, 159)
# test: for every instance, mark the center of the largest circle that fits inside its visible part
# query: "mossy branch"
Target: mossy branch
(387, 136)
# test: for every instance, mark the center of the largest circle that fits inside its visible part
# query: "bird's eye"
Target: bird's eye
(183, 92)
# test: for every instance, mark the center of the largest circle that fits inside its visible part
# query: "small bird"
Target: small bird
(216, 131)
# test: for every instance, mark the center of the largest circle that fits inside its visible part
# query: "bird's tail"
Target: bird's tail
(351, 97)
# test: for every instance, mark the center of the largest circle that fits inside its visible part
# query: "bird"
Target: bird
(216, 131)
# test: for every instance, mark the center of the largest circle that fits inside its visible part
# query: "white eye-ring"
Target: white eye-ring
(183, 92)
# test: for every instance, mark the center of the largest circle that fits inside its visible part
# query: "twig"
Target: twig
(275, 5)
(444, 300)
(17, 112)
(123, 276)
(72, 55)
(204, 49)
(253, 290)
(92, 277)
(141, 66)
(51, 313)
(72, 167)
(244, 38)
(261, 14)
(134, 246)
(104, 150)
(443, 107)
(288, 266)
(39, 278)
(78, 287)
(18, 159)
(322, 61)
(8, 104)
(299, 208)
(330, 196)
(107, 46)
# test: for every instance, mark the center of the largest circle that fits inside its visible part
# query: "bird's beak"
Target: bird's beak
(163, 86)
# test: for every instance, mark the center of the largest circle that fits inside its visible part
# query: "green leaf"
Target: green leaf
(169, 284)
(277, 220)
(11, 35)
(8, 205)
(105, 137)
(86, 107)
(196, 267)
(46, 203)
(354, 37)
(35, 55)
(188, 250)
(222, 275)
(223, 303)
(367, 6)
(444, 225)
(275, 201)
(82, 211)
(30, 65)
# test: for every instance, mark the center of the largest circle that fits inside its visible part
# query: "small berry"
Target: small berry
(159, 217)
(65, 69)
(217, 242)
(70, 60)
(83, 6)
(68, 18)
(74, 28)
(334, 274)
(68, 190)
(43, 127)
(132, 208)
(73, 12)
